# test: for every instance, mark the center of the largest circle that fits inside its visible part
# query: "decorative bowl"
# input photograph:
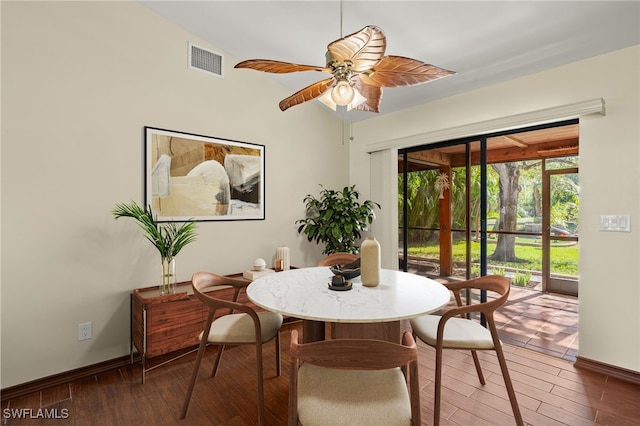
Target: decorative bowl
(349, 271)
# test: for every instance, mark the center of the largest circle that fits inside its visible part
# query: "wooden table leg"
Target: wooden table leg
(313, 331)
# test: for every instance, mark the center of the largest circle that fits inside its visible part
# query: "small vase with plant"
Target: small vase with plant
(168, 238)
(336, 219)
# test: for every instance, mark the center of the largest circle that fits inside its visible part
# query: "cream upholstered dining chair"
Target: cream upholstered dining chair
(340, 258)
(354, 382)
(453, 330)
(245, 327)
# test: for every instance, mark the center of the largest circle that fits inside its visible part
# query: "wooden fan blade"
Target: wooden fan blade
(395, 71)
(372, 93)
(278, 67)
(306, 94)
(363, 49)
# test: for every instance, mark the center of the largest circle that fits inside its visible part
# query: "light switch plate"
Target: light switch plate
(615, 223)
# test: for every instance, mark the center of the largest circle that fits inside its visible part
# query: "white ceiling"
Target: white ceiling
(484, 42)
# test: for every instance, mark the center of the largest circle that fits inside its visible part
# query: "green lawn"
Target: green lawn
(564, 259)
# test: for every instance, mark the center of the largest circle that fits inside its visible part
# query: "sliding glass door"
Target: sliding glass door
(504, 203)
(443, 221)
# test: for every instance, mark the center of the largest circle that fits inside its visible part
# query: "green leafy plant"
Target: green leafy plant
(475, 270)
(168, 238)
(521, 278)
(336, 219)
(498, 270)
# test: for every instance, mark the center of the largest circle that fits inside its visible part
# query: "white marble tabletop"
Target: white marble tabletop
(303, 293)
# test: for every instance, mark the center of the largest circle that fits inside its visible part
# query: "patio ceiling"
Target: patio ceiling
(519, 146)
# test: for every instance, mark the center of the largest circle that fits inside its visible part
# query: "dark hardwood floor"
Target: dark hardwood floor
(550, 392)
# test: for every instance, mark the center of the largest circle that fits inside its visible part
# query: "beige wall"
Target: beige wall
(609, 180)
(80, 80)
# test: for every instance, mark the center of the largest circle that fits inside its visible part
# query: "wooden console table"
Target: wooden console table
(164, 324)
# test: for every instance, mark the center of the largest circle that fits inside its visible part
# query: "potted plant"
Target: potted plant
(336, 219)
(168, 238)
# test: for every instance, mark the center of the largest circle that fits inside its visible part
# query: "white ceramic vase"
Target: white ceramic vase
(370, 262)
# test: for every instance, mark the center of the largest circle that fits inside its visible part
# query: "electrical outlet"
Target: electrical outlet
(85, 331)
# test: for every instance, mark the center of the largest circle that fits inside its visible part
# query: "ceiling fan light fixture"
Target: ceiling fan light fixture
(327, 99)
(342, 93)
(358, 100)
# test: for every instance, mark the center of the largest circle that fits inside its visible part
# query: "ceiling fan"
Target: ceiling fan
(359, 72)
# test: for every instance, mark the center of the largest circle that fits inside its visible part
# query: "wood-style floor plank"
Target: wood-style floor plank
(550, 392)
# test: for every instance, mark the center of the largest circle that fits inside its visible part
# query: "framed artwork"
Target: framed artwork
(202, 178)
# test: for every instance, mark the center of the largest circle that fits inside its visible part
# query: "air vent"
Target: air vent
(205, 60)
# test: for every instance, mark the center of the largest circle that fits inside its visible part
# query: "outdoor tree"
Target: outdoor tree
(422, 203)
(508, 182)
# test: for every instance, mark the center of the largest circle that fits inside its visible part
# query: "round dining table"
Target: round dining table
(360, 312)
